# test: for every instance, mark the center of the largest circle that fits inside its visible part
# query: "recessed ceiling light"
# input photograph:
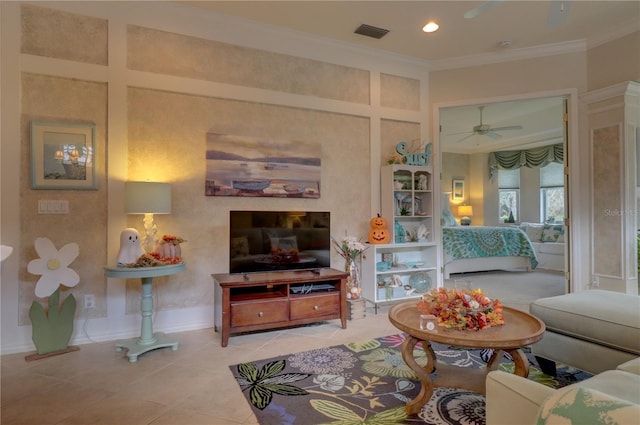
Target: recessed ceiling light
(430, 27)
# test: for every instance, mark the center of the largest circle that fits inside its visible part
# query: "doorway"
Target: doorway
(471, 130)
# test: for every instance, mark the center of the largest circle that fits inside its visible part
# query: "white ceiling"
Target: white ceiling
(526, 24)
(541, 121)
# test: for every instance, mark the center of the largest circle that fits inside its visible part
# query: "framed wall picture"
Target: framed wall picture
(457, 193)
(62, 156)
(253, 166)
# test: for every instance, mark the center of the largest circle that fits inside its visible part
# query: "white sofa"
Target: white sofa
(611, 397)
(548, 242)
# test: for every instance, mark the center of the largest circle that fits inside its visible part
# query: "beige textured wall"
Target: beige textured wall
(167, 136)
(508, 78)
(166, 142)
(180, 55)
(46, 98)
(62, 35)
(399, 92)
(392, 132)
(607, 201)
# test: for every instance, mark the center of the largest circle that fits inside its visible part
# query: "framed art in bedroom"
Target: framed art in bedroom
(457, 188)
(62, 156)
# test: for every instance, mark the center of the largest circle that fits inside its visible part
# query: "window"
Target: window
(508, 194)
(552, 193)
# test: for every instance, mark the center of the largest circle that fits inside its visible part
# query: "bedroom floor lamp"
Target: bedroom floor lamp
(147, 198)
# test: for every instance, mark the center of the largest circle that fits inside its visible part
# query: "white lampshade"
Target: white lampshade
(147, 198)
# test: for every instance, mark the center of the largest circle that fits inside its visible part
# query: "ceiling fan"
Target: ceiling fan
(486, 129)
(558, 11)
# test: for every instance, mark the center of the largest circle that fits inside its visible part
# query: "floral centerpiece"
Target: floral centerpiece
(462, 309)
(350, 248)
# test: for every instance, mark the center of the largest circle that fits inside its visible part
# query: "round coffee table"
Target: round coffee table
(520, 329)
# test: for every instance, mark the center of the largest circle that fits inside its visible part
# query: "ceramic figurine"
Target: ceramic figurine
(422, 182)
(422, 233)
(399, 232)
(130, 248)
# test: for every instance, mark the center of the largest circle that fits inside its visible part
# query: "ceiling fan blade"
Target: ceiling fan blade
(462, 132)
(494, 136)
(558, 12)
(481, 9)
(465, 138)
(510, 127)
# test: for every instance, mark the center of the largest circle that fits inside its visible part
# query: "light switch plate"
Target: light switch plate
(49, 206)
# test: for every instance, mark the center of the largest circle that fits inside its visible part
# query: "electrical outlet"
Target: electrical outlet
(90, 301)
(595, 281)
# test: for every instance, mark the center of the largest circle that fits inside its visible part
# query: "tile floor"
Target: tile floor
(191, 386)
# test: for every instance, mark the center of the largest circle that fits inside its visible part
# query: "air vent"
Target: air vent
(371, 31)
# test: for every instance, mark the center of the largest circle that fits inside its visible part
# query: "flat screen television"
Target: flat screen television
(261, 241)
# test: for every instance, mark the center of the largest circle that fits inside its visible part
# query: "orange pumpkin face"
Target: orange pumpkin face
(377, 236)
(378, 222)
(379, 233)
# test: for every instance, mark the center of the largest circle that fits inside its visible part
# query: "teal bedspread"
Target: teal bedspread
(477, 242)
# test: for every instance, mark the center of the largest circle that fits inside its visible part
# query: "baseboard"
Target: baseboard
(87, 331)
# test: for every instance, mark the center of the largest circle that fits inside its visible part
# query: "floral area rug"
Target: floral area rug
(368, 382)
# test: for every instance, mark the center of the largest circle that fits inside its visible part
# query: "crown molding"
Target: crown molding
(510, 55)
(621, 89)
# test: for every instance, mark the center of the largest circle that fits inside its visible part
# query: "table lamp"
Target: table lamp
(147, 198)
(465, 212)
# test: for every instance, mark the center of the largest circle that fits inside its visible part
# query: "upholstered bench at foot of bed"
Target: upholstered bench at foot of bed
(593, 330)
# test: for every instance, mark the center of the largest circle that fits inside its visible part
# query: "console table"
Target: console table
(259, 301)
(148, 339)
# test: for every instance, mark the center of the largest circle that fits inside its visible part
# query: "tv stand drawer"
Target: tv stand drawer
(257, 313)
(307, 306)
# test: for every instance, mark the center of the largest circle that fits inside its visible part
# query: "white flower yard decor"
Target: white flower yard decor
(52, 329)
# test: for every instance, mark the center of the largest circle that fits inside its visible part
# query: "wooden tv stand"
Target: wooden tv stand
(259, 301)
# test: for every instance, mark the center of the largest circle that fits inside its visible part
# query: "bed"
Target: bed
(483, 248)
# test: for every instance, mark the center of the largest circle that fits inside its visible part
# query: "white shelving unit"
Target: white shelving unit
(407, 267)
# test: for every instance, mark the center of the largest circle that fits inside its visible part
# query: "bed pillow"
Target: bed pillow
(448, 219)
(239, 247)
(552, 232)
(287, 243)
(534, 231)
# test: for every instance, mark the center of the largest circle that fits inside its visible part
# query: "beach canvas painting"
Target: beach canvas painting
(251, 166)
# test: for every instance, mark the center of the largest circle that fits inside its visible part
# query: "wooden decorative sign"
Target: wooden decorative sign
(414, 158)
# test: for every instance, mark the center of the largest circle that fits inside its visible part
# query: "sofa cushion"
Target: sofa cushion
(632, 366)
(606, 318)
(239, 247)
(581, 405)
(254, 238)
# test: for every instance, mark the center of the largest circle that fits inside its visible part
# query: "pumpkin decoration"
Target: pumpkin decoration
(379, 233)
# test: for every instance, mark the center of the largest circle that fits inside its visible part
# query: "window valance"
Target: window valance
(532, 158)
